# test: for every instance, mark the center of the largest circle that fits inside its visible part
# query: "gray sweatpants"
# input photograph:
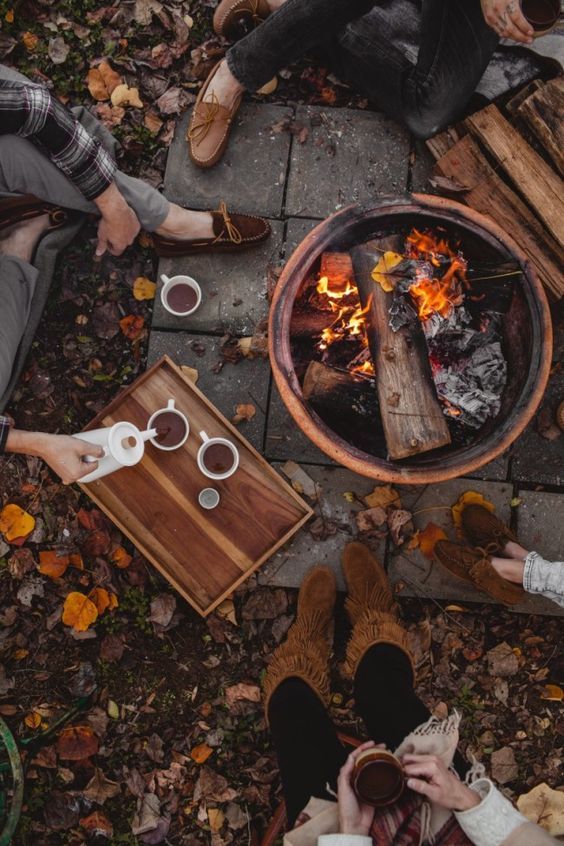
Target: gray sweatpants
(24, 169)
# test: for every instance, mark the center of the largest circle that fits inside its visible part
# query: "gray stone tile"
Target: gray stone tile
(350, 156)
(415, 575)
(497, 469)
(244, 382)
(285, 439)
(233, 287)
(251, 175)
(540, 523)
(288, 567)
(296, 230)
(422, 168)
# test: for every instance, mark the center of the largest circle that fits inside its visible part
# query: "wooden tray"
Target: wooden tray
(203, 554)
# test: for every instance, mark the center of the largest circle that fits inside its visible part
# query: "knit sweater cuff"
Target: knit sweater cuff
(343, 840)
(493, 820)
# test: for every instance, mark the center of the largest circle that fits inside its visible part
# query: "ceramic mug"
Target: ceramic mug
(378, 777)
(543, 15)
(153, 424)
(188, 295)
(207, 444)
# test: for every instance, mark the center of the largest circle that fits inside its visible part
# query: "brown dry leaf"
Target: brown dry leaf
(30, 41)
(385, 265)
(469, 498)
(79, 611)
(244, 411)
(103, 599)
(201, 753)
(552, 693)
(216, 819)
(191, 372)
(120, 558)
(52, 564)
(503, 765)
(369, 521)
(545, 807)
(502, 660)
(247, 692)
(98, 825)
(383, 495)
(33, 720)
(226, 610)
(399, 521)
(77, 742)
(99, 788)
(102, 81)
(428, 537)
(144, 289)
(152, 122)
(15, 523)
(123, 95)
(132, 326)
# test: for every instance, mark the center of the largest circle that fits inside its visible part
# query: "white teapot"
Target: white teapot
(124, 446)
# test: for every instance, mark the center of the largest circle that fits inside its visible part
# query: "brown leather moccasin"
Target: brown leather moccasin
(485, 529)
(233, 18)
(14, 210)
(210, 125)
(474, 566)
(232, 233)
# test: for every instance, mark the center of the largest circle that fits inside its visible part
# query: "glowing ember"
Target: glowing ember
(433, 294)
(323, 287)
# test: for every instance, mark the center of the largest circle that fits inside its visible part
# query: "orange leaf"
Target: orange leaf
(201, 753)
(429, 537)
(102, 80)
(144, 289)
(79, 611)
(15, 523)
(132, 326)
(98, 823)
(33, 720)
(102, 599)
(76, 743)
(76, 561)
(120, 558)
(552, 693)
(469, 498)
(52, 564)
(30, 41)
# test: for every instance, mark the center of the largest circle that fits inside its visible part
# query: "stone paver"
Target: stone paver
(350, 156)
(285, 439)
(233, 288)
(251, 175)
(288, 567)
(244, 382)
(540, 523)
(497, 469)
(422, 169)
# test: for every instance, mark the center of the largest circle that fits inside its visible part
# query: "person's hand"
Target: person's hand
(65, 455)
(428, 775)
(354, 817)
(506, 18)
(119, 224)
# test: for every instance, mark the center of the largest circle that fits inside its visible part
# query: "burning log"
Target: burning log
(308, 323)
(411, 414)
(337, 267)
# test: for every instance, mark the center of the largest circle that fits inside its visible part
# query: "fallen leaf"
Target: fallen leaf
(235, 816)
(147, 815)
(123, 95)
(244, 412)
(552, 693)
(153, 122)
(154, 748)
(33, 720)
(201, 753)
(213, 787)
(383, 495)
(247, 692)
(98, 825)
(191, 372)
(102, 81)
(469, 498)
(52, 564)
(502, 661)
(269, 87)
(428, 537)
(162, 609)
(111, 648)
(226, 610)
(120, 558)
(79, 611)
(144, 289)
(299, 477)
(113, 709)
(99, 788)
(399, 521)
(132, 326)
(216, 819)
(385, 265)
(265, 604)
(103, 599)
(21, 563)
(30, 41)
(15, 523)
(369, 521)
(77, 742)
(58, 50)
(503, 765)
(545, 807)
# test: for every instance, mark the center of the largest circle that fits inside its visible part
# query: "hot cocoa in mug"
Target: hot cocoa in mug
(217, 458)
(378, 778)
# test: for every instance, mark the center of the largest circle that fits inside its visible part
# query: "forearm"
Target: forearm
(25, 443)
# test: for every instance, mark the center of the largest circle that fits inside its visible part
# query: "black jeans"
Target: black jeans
(355, 36)
(309, 752)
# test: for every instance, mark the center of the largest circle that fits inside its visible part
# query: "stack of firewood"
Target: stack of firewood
(510, 166)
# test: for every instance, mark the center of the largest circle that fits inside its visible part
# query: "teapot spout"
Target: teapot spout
(148, 434)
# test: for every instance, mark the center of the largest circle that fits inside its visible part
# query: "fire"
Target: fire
(432, 248)
(324, 287)
(435, 294)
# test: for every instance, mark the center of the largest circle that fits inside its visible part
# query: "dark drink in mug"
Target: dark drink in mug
(543, 15)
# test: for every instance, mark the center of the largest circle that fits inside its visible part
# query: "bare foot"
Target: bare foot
(510, 569)
(224, 86)
(515, 550)
(185, 224)
(20, 240)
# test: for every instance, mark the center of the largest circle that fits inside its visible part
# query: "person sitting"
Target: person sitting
(52, 161)
(456, 42)
(438, 806)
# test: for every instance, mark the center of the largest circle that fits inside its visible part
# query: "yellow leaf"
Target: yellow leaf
(383, 495)
(33, 720)
(9, 16)
(191, 372)
(15, 522)
(469, 498)
(429, 537)
(76, 561)
(123, 95)
(386, 263)
(52, 564)
(30, 41)
(216, 819)
(544, 806)
(120, 558)
(458, 608)
(79, 611)
(144, 289)
(103, 599)
(553, 693)
(20, 654)
(201, 753)
(269, 86)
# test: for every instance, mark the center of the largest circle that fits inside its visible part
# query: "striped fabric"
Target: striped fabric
(403, 822)
(4, 429)
(32, 112)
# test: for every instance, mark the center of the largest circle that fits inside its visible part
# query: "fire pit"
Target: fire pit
(405, 362)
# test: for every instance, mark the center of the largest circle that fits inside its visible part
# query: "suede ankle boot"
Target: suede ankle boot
(306, 650)
(370, 606)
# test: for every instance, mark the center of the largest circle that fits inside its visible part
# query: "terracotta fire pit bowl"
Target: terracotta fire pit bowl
(525, 335)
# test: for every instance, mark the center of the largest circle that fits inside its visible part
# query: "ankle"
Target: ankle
(509, 568)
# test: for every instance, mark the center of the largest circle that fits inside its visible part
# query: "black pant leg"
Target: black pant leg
(386, 700)
(309, 752)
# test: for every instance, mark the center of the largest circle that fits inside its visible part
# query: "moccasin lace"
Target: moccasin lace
(199, 130)
(487, 551)
(234, 235)
(253, 8)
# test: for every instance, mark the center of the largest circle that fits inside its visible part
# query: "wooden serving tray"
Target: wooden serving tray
(203, 554)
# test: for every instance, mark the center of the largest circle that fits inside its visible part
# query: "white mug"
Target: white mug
(180, 280)
(170, 407)
(207, 442)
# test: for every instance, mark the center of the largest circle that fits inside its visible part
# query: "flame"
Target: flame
(432, 248)
(365, 369)
(436, 295)
(324, 287)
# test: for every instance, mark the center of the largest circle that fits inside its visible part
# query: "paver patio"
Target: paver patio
(347, 156)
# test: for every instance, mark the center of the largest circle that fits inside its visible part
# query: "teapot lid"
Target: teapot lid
(125, 443)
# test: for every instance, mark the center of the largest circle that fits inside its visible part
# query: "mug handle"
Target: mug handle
(170, 403)
(204, 437)
(164, 279)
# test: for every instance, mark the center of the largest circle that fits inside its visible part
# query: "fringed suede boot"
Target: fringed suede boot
(306, 650)
(370, 606)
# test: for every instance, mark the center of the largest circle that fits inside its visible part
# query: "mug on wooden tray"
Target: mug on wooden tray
(217, 458)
